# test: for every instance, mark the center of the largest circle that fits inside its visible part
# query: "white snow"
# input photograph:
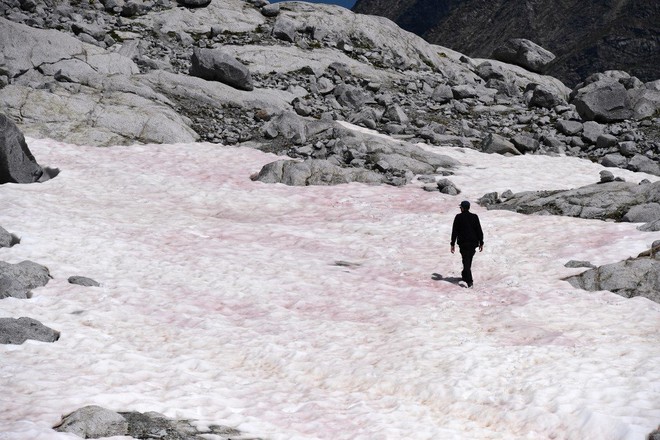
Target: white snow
(313, 312)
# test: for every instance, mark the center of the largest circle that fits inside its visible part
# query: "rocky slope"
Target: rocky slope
(587, 37)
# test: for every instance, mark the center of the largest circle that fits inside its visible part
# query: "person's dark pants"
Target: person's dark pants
(467, 252)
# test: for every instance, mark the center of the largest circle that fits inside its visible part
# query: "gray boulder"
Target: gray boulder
(448, 187)
(97, 422)
(93, 422)
(569, 128)
(606, 100)
(643, 164)
(630, 278)
(285, 29)
(194, 3)
(83, 281)
(314, 172)
(524, 53)
(601, 201)
(544, 97)
(17, 331)
(6, 239)
(17, 280)
(494, 143)
(217, 65)
(525, 144)
(17, 164)
(591, 130)
(646, 213)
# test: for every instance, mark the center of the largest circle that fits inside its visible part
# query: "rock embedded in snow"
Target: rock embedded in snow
(314, 172)
(17, 164)
(83, 281)
(494, 143)
(97, 422)
(611, 200)
(17, 331)
(630, 278)
(17, 280)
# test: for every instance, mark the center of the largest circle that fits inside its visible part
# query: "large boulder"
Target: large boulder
(633, 277)
(217, 65)
(17, 280)
(494, 143)
(603, 201)
(605, 100)
(94, 422)
(314, 172)
(17, 331)
(524, 53)
(17, 164)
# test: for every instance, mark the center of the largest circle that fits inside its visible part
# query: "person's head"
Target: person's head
(465, 205)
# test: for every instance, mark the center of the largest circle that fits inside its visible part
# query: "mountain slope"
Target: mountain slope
(587, 37)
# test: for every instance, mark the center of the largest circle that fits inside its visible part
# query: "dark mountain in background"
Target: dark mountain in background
(587, 36)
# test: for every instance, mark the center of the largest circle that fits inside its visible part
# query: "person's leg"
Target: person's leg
(467, 253)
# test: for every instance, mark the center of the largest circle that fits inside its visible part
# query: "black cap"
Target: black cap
(465, 204)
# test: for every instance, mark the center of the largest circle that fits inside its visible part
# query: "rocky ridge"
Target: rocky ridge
(113, 72)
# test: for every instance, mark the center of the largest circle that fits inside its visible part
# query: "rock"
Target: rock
(17, 331)
(442, 93)
(194, 3)
(575, 264)
(289, 126)
(7, 239)
(494, 143)
(464, 91)
(591, 130)
(83, 281)
(645, 100)
(629, 278)
(395, 114)
(650, 227)
(17, 280)
(217, 65)
(544, 97)
(524, 53)
(270, 10)
(446, 186)
(569, 128)
(644, 164)
(606, 100)
(525, 144)
(313, 172)
(606, 141)
(614, 160)
(93, 422)
(603, 201)
(285, 29)
(17, 164)
(646, 213)
(606, 176)
(97, 422)
(351, 96)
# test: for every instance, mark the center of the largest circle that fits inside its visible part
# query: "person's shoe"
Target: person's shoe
(469, 285)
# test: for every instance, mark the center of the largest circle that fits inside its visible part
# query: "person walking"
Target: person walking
(466, 231)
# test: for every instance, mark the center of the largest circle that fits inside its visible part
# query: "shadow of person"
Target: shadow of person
(453, 280)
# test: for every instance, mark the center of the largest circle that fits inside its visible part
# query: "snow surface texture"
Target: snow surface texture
(314, 312)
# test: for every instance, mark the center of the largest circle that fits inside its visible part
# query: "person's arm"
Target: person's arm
(454, 234)
(480, 235)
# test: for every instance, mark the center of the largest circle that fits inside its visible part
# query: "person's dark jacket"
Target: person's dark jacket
(467, 230)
